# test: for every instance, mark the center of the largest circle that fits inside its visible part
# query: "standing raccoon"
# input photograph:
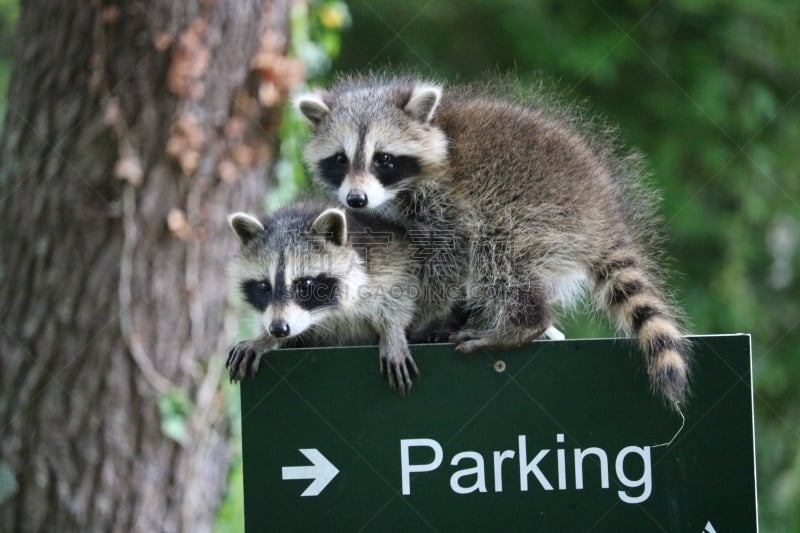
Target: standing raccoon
(534, 203)
(320, 277)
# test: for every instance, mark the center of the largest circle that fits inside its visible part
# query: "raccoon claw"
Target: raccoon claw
(469, 340)
(464, 335)
(399, 371)
(470, 346)
(244, 358)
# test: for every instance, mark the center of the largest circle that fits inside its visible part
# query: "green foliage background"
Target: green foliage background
(9, 12)
(710, 91)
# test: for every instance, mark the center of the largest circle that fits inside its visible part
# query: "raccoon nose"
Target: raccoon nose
(279, 328)
(357, 199)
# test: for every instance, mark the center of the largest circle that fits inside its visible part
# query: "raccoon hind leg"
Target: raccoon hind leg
(515, 315)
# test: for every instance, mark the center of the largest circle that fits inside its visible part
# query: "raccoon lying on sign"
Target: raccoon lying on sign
(321, 277)
(540, 202)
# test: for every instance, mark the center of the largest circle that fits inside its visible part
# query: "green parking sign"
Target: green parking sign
(552, 436)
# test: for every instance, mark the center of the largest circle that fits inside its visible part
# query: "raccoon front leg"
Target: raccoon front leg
(245, 356)
(397, 364)
(515, 314)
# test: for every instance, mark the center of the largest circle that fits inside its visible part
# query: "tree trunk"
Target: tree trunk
(133, 128)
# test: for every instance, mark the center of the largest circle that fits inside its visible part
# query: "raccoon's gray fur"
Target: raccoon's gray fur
(534, 201)
(321, 277)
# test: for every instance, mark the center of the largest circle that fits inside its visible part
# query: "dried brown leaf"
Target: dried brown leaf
(190, 61)
(129, 168)
(178, 224)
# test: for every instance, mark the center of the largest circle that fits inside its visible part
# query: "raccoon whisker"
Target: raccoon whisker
(322, 326)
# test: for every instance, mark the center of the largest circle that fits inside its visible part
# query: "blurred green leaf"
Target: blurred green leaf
(174, 408)
(8, 482)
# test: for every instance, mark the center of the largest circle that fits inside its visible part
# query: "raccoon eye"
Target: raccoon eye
(304, 288)
(262, 288)
(304, 283)
(384, 159)
(341, 158)
(257, 292)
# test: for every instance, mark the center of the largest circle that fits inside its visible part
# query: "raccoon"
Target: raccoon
(536, 202)
(321, 277)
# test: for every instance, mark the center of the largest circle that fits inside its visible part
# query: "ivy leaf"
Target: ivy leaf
(8, 482)
(174, 407)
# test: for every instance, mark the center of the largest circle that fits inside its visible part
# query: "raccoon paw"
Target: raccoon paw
(472, 345)
(244, 358)
(399, 369)
(469, 340)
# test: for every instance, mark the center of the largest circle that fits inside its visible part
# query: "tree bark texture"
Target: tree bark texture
(133, 128)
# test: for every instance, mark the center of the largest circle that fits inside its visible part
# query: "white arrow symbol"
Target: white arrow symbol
(709, 528)
(322, 471)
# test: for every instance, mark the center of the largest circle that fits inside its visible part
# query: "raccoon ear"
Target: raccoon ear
(423, 102)
(246, 227)
(313, 106)
(331, 224)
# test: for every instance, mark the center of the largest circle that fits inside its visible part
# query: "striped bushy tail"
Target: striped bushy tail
(625, 287)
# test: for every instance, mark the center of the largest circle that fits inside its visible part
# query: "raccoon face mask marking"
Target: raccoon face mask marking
(386, 175)
(288, 309)
(257, 293)
(391, 169)
(334, 169)
(367, 154)
(292, 271)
